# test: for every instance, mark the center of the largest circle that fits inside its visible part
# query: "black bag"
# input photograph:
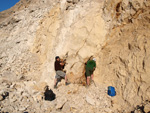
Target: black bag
(49, 95)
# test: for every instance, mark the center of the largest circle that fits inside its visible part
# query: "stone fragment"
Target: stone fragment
(75, 1)
(147, 108)
(1, 97)
(138, 111)
(90, 100)
(66, 107)
(69, 1)
(60, 102)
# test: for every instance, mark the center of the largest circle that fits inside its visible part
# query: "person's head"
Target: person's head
(94, 59)
(57, 58)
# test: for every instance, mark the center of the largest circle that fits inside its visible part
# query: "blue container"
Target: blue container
(111, 91)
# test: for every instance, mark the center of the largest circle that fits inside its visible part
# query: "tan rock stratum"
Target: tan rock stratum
(115, 32)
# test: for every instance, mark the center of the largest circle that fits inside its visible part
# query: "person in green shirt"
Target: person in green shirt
(90, 67)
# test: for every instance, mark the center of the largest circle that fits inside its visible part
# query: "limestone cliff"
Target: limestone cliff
(115, 32)
(126, 54)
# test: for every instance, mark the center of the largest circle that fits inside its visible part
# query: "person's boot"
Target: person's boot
(55, 86)
(87, 86)
(67, 83)
(91, 81)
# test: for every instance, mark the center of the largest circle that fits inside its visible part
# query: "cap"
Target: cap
(56, 57)
(94, 59)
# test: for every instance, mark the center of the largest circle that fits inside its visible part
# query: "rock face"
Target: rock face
(126, 54)
(77, 36)
(115, 32)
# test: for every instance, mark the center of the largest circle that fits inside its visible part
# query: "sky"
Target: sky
(6, 4)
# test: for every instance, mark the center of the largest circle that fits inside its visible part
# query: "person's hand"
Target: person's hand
(62, 64)
(93, 68)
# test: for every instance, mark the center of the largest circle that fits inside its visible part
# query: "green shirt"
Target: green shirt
(91, 64)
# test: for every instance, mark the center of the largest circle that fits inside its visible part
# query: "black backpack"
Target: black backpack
(48, 94)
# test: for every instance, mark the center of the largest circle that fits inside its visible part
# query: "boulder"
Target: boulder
(147, 108)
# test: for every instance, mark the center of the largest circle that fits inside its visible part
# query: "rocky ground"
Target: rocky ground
(75, 98)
